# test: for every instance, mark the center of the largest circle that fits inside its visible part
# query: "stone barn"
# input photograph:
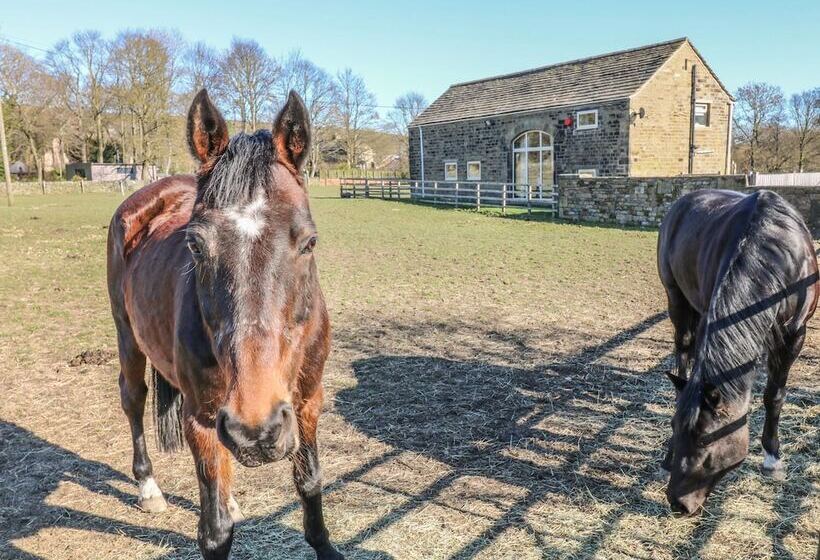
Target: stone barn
(657, 110)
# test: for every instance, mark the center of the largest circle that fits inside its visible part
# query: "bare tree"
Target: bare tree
(758, 106)
(407, 108)
(804, 109)
(200, 67)
(248, 76)
(82, 68)
(355, 110)
(318, 92)
(28, 91)
(146, 71)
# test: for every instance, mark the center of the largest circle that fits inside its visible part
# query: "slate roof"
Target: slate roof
(585, 81)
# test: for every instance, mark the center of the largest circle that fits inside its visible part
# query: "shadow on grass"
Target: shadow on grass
(567, 430)
(31, 469)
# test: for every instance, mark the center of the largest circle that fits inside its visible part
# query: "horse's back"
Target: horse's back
(145, 258)
(696, 236)
(703, 229)
(157, 208)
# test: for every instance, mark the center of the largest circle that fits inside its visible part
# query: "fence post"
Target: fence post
(366, 185)
(456, 195)
(478, 196)
(354, 187)
(422, 188)
(435, 192)
(503, 198)
(82, 185)
(529, 200)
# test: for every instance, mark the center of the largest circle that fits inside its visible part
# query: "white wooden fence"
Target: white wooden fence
(785, 179)
(459, 194)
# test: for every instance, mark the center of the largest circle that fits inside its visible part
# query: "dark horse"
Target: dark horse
(741, 279)
(212, 279)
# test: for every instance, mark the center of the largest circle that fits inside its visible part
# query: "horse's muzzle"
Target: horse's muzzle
(270, 441)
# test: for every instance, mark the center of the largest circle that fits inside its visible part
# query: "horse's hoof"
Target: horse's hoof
(234, 511)
(328, 552)
(775, 474)
(154, 504)
(151, 499)
(773, 467)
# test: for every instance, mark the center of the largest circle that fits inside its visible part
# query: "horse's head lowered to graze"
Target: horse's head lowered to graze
(251, 239)
(710, 438)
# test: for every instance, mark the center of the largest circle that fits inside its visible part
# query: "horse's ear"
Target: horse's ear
(711, 395)
(678, 382)
(291, 132)
(207, 130)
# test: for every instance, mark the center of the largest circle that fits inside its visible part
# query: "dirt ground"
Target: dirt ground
(495, 390)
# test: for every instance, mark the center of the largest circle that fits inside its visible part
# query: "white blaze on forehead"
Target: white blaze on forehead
(249, 220)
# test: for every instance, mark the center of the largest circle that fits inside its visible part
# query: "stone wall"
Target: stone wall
(489, 140)
(644, 201)
(67, 187)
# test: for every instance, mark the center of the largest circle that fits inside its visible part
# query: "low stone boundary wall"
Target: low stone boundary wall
(644, 201)
(64, 187)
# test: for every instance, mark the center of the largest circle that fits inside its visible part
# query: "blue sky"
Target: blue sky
(426, 45)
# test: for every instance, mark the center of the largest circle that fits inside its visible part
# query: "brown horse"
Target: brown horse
(212, 278)
(741, 279)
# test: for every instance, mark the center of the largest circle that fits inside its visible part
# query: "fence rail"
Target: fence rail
(785, 179)
(460, 194)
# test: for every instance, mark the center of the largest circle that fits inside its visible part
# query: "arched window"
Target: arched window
(532, 159)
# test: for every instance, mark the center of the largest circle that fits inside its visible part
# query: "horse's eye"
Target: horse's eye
(309, 245)
(193, 246)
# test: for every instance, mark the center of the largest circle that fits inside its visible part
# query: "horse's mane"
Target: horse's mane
(240, 171)
(741, 320)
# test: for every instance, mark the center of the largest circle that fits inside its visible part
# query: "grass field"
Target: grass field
(495, 390)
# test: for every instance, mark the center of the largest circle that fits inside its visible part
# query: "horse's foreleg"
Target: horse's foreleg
(214, 474)
(685, 321)
(779, 363)
(133, 393)
(308, 478)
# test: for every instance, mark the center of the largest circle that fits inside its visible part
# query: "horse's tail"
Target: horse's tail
(167, 414)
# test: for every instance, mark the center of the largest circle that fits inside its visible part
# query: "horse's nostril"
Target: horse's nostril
(222, 429)
(285, 412)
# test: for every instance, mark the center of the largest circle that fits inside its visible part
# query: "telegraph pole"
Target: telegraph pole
(5, 149)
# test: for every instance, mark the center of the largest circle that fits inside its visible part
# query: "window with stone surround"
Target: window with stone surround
(586, 120)
(702, 114)
(450, 171)
(473, 170)
(587, 173)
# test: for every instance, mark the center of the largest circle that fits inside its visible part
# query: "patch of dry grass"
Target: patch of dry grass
(495, 391)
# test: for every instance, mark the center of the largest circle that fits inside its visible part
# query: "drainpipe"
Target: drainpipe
(421, 150)
(692, 121)
(729, 139)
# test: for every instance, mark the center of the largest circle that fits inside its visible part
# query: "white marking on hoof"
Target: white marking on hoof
(773, 466)
(151, 499)
(234, 511)
(771, 462)
(663, 474)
